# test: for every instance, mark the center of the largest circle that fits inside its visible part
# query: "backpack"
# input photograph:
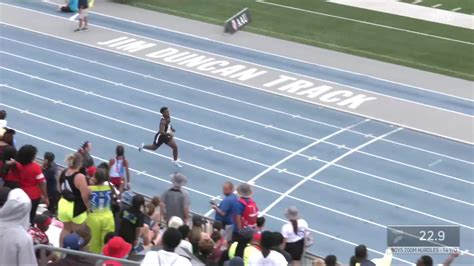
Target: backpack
(65, 187)
(250, 214)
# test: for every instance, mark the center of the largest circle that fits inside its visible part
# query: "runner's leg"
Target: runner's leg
(172, 144)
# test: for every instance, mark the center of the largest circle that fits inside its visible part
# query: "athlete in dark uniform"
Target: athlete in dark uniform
(164, 135)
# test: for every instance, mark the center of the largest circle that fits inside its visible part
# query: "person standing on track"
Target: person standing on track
(164, 135)
(83, 20)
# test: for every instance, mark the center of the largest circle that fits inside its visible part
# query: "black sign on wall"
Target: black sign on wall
(238, 21)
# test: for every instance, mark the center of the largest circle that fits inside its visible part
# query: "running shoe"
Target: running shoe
(177, 163)
(140, 148)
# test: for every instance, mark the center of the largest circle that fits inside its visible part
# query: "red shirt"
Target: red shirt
(31, 176)
(12, 175)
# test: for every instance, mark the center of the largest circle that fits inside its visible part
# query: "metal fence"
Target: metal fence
(99, 258)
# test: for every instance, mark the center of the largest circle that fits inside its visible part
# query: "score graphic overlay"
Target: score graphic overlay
(425, 239)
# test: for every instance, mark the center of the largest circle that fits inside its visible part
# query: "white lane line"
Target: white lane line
(288, 192)
(207, 148)
(187, 70)
(418, 168)
(219, 174)
(190, 189)
(435, 163)
(427, 151)
(456, 9)
(320, 107)
(232, 116)
(404, 185)
(390, 203)
(367, 23)
(264, 172)
(417, 2)
(189, 164)
(208, 213)
(436, 6)
(268, 145)
(280, 56)
(232, 99)
(228, 57)
(165, 97)
(238, 157)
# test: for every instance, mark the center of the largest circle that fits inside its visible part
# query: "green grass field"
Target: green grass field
(413, 50)
(466, 6)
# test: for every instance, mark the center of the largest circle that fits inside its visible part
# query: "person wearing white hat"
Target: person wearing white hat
(175, 201)
(294, 233)
(246, 212)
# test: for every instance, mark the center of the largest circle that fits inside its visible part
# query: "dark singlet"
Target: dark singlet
(68, 182)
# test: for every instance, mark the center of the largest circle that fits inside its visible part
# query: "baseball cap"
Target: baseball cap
(73, 241)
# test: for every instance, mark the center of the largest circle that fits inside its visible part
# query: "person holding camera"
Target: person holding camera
(225, 211)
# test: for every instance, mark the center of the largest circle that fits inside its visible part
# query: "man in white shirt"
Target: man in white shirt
(267, 257)
(167, 256)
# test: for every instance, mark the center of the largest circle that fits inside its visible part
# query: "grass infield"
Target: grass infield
(414, 50)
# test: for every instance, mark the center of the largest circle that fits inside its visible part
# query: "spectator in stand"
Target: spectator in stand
(8, 171)
(84, 232)
(100, 219)
(132, 220)
(260, 224)
(426, 260)
(239, 248)
(185, 244)
(422, 261)
(87, 160)
(76, 242)
(318, 262)
(294, 234)
(220, 244)
(3, 118)
(175, 201)
(50, 171)
(41, 224)
(6, 140)
(175, 222)
(361, 257)
(149, 217)
(119, 172)
(167, 256)
(118, 248)
(278, 246)
(450, 259)
(16, 245)
(156, 215)
(6, 137)
(70, 6)
(330, 260)
(197, 233)
(267, 257)
(205, 249)
(74, 201)
(226, 209)
(246, 213)
(31, 177)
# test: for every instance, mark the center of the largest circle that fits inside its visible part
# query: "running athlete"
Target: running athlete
(164, 135)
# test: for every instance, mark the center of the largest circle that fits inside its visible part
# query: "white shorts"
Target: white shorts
(82, 13)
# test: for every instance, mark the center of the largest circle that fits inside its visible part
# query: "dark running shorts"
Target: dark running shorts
(295, 249)
(160, 139)
(83, 4)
